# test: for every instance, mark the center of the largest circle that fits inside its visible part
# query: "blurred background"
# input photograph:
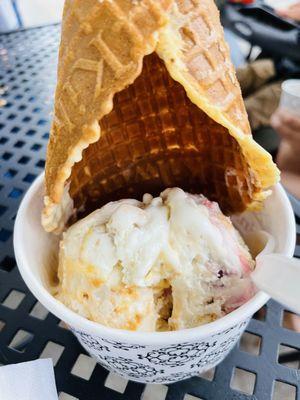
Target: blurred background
(18, 14)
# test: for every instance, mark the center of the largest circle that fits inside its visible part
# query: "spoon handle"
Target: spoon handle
(279, 277)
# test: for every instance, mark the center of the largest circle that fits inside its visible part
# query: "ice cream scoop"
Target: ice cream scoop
(166, 263)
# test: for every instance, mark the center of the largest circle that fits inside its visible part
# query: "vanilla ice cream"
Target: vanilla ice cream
(166, 263)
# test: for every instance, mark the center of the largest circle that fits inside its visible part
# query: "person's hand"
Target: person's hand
(287, 125)
(288, 160)
(292, 12)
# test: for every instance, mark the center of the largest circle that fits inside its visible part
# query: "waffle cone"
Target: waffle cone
(149, 101)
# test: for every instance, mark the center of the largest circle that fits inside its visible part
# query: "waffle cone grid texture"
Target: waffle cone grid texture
(156, 138)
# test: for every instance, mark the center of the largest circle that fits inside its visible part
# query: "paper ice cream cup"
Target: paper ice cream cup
(158, 357)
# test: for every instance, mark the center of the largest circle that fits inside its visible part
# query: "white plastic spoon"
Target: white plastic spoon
(275, 274)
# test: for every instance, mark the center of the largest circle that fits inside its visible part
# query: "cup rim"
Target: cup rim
(287, 84)
(148, 338)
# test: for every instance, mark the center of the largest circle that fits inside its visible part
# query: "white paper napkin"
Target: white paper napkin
(33, 380)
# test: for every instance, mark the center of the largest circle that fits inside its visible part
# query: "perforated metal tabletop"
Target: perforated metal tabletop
(264, 365)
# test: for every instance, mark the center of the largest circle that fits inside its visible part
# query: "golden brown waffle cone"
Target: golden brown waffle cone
(154, 136)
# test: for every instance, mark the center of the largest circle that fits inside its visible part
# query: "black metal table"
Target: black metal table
(265, 364)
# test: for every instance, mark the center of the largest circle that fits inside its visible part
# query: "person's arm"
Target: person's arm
(288, 158)
(292, 12)
(288, 127)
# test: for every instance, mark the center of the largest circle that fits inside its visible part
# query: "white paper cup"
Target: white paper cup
(158, 357)
(290, 96)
